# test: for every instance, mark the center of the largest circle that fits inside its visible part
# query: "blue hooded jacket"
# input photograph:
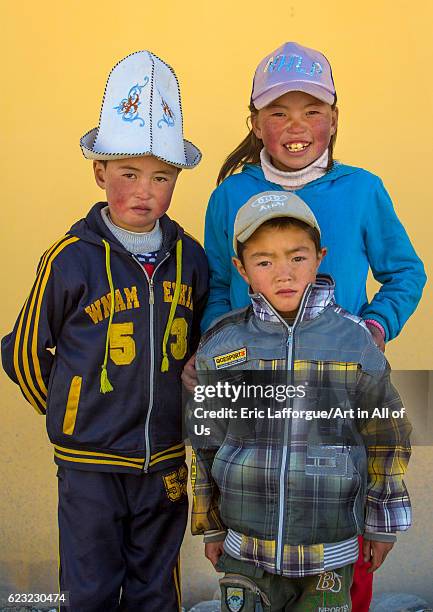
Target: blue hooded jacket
(359, 227)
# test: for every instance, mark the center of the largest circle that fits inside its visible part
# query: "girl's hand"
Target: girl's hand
(375, 553)
(213, 551)
(377, 336)
(189, 375)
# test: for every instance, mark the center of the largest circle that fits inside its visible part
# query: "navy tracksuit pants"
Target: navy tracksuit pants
(119, 539)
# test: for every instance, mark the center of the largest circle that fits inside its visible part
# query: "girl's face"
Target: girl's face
(295, 129)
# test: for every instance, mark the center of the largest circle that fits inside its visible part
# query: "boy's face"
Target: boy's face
(139, 190)
(280, 263)
(295, 129)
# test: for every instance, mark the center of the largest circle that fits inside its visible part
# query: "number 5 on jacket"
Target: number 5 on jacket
(122, 345)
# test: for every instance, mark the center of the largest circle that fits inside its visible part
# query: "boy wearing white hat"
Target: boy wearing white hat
(285, 482)
(120, 298)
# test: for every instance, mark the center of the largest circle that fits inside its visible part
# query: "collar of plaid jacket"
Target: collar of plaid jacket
(317, 296)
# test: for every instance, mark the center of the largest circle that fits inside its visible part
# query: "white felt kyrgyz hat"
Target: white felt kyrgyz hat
(141, 114)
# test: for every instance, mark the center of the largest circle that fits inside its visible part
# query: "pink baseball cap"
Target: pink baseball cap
(292, 67)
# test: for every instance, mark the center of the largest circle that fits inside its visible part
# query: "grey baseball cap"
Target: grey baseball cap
(269, 205)
(292, 67)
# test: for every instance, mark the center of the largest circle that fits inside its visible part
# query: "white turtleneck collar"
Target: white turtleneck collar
(296, 179)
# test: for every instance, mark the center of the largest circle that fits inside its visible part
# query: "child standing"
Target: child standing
(281, 499)
(99, 347)
(290, 146)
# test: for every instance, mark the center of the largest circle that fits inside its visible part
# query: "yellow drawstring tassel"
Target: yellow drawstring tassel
(164, 366)
(106, 386)
(165, 362)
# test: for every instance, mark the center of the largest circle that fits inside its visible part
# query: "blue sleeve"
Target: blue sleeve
(394, 264)
(216, 244)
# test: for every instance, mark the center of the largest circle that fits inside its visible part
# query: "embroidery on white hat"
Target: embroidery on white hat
(141, 114)
(128, 107)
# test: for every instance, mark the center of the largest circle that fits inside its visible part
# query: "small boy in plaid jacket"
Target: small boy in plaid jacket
(282, 497)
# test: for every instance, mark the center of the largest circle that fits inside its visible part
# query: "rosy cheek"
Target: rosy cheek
(275, 129)
(322, 129)
(118, 195)
(271, 136)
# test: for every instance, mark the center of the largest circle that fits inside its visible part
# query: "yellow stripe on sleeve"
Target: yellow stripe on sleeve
(44, 282)
(23, 386)
(25, 378)
(33, 295)
(41, 407)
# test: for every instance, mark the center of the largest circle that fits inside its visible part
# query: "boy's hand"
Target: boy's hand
(189, 375)
(376, 553)
(213, 551)
(377, 336)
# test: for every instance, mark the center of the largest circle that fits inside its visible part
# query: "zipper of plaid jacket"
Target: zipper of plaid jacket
(152, 355)
(284, 459)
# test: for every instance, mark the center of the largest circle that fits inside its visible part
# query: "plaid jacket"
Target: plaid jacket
(294, 492)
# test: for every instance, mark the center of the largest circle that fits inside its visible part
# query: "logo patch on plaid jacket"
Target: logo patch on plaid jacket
(237, 356)
(235, 599)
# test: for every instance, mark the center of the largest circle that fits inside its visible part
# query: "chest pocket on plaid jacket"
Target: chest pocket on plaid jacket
(329, 461)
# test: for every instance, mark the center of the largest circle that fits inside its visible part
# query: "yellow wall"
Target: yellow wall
(55, 58)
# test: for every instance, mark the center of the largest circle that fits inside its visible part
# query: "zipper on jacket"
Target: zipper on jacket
(356, 498)
(282, 492)
(152, 354)
(284, 458)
